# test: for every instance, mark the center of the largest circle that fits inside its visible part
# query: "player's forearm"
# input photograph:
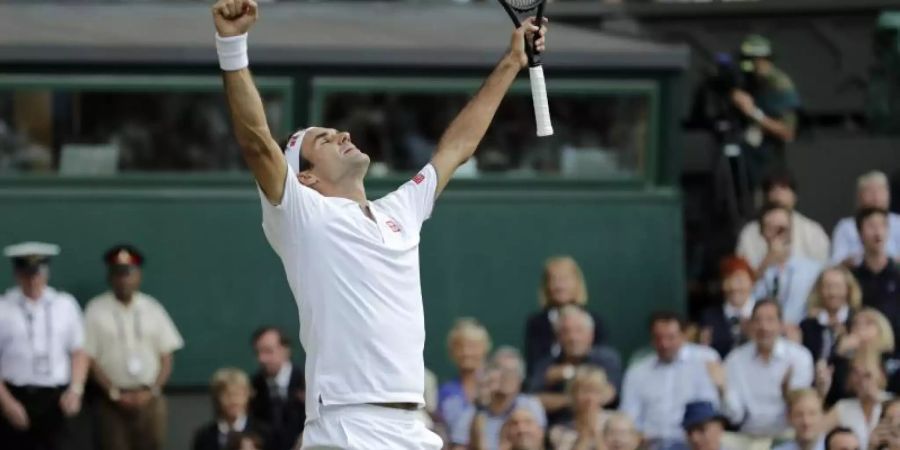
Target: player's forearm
(468, 128)
(80, 363)
(247, 113)
(165, 370)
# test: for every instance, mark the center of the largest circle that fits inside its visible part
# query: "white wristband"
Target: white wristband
(232, 52)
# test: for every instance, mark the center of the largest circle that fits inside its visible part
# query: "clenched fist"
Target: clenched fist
(234, 17)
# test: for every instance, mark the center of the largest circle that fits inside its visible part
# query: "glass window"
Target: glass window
(120, 126)
(601, 131)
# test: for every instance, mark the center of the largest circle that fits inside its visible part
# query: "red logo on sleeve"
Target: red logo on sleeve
(393, 226)
(418, 179)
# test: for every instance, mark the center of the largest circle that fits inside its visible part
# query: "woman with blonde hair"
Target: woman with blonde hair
(834, 300)
(230, 390)
(562, 284)
(869, 331)
(862, 412)
(590, 391)
(468, 343)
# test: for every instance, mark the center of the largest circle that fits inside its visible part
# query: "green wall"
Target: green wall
(481, 253)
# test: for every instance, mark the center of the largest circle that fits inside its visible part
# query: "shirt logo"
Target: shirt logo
(418, 179)
(393, 226)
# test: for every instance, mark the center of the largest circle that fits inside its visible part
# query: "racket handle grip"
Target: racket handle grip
(539, 97)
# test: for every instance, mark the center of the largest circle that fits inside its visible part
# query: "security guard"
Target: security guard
(770, 103)
(130, 340)
(42, 364)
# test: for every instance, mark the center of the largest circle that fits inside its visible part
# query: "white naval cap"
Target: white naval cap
(26, 249)
(292, 151)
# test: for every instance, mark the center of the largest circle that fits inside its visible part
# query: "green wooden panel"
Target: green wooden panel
(481, 254)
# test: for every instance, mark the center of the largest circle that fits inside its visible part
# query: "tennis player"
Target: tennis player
(352, 264)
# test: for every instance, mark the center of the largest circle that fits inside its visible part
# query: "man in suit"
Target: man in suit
(279, 387)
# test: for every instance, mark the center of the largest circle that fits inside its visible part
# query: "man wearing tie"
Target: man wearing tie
(42, 364)
(279, 387)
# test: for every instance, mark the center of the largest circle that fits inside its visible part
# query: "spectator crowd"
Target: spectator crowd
(801, 353)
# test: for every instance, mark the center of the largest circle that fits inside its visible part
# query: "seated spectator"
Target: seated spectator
(808, 238)
(468, 343)
(872, 191)
(499, 395)
(887, 434)
(279, 387)
(522, 431)
(703, 426)
(862, 412)
(784, 275)
(590, 391)
(619, 433)
(760, 374)
(842, 439)
(835, 298)
(562, 284)
(878, 274)
(869, 331)
(658, 387)
(575, 334)
(724, 327)
(807, 419)
(230, 389)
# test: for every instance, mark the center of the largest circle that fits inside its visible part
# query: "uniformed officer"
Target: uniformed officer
(42, 364)
(770, 103)
(130, 340)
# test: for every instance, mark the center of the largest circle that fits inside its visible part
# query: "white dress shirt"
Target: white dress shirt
(847, 244)
(793, 445)
(808, 238)
(357, 285)
(753, 397)
(282, 380)
(655, 393)
(37, 338)
(850, 414)
(795, 281)
(741, 314)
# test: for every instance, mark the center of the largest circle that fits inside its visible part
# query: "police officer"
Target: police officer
(42, 364)
(769, 103)
(130, 340)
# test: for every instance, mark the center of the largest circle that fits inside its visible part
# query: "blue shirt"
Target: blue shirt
(459, 434)
(790, 285)
(452, 402)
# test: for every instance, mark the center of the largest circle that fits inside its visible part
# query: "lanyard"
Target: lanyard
(120, 326)
(48, 325)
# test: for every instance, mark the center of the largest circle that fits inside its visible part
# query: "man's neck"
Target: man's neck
(807, 444)
(34, 295)
(124, 299)
(765, 352)
(573, 359)
(876, 261)
(354, 190)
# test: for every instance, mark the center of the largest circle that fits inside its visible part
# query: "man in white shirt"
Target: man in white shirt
(760, 374)
(657, 388)
(872, 191)
(130, 339)
(42, 364)
(808, 238)
(783, 274)
(352, 264)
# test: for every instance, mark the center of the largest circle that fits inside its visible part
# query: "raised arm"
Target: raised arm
(461, 138)
(233, 18)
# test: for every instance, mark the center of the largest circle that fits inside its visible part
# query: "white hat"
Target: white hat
(30, 249)
(292, 151)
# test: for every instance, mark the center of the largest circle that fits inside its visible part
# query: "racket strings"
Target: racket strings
(523, 5)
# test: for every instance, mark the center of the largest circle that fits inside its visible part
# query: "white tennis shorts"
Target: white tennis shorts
(368, 427)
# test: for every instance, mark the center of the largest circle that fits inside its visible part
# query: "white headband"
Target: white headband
(292, 151)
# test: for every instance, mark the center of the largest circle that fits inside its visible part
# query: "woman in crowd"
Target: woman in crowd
(862, 412)
(835, 299)
(468, 343)
(723, 327)
(562, 284)
(230, 390)
(869, 331)
(590, 391)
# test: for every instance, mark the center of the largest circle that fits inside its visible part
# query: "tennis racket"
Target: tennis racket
(535, 69)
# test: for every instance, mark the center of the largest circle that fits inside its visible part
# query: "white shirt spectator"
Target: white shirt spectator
(793, 445)
(460, 433)
(808, 238)
(793, 283)
(847, 244)
(37, 338)
(127, 341)
(357, 286)
(753, 397)
(850, 414)
(654, 393)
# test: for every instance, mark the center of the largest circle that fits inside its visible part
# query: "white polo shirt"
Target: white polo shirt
(38, 337)
(356, 283)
